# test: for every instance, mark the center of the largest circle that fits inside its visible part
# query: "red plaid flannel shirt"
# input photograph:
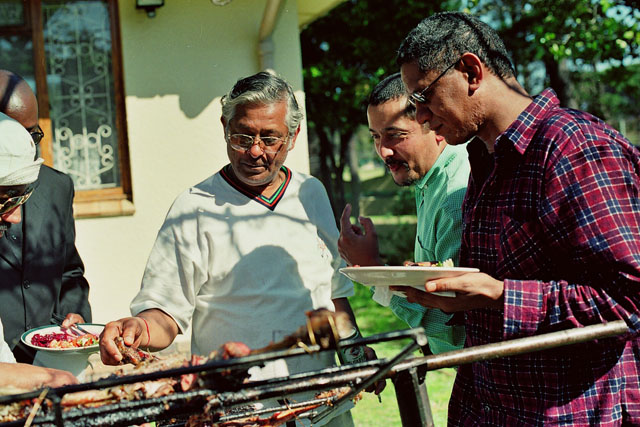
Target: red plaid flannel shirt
(555, 213)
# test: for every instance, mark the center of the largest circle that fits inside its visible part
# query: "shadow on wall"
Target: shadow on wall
(194, 50)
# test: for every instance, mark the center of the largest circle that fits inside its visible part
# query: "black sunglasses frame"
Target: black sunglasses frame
(419, 97)
(15, 201)
(36, 134)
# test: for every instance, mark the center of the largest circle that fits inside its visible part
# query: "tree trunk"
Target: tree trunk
(326, 153)
(559, 80)
(338, 170)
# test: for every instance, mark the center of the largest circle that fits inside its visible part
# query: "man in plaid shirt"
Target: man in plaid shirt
(552, 220)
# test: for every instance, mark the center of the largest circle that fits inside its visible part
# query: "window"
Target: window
(69, 52)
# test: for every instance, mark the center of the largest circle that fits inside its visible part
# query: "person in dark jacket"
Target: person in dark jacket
(19, 168)
(41, 272)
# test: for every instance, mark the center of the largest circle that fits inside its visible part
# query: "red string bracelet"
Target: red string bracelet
(148, 333)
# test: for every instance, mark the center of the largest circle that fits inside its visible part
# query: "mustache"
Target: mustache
(253, 164)
(392, 162)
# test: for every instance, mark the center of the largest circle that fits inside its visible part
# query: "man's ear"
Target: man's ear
(293, 139)
(474, 69)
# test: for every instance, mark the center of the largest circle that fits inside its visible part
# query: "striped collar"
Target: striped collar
(268, 202)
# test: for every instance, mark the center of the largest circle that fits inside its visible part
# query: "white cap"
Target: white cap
(17, 154)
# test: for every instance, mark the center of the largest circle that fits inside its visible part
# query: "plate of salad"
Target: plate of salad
(53, 338)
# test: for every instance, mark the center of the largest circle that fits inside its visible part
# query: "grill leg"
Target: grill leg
(413, 402)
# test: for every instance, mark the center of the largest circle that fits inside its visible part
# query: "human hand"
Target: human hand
(131, 329)
(71, 319)
(379, 385)
(358, 246)
(56, 377)
(473, 290)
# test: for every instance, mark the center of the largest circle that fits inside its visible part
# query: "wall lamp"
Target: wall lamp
(149, 6)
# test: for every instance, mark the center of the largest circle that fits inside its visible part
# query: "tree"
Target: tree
(562, 38)
(347, 52)
(613, 97)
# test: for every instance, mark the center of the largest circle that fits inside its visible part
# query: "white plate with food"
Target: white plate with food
(62, 349)
(414, 276)
(54, 339)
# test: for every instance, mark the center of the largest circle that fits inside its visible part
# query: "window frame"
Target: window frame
(114, 201)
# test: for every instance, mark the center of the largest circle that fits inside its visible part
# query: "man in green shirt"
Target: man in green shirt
(439, 172)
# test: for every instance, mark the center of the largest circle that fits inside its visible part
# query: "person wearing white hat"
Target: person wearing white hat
(41, 272)
(18, 170)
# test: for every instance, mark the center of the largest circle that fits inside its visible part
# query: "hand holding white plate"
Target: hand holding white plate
(414, 276)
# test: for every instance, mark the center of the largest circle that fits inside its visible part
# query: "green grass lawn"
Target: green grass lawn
(372, 319)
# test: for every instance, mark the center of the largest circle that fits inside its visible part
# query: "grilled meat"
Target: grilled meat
(21, 409)
(230, 350)
(132, 355)
(276, 419)
(323, 327)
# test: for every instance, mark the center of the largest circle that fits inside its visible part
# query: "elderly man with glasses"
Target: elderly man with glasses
(552, 221)
(19, 169)
(41, 272)
(245, 253)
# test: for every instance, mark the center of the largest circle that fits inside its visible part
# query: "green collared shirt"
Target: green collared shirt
(439, 195)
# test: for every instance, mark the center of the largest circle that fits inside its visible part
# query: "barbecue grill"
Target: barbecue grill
(220, 392)
(222, 395)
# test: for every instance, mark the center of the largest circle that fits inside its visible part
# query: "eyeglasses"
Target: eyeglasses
(36, 134)
(14, 202)
(268, 144)
(421, 97)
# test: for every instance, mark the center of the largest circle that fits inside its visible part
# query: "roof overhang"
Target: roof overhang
(309, 11)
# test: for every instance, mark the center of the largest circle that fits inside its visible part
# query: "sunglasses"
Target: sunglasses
(13, 202)
(36, 134)
(421, 97)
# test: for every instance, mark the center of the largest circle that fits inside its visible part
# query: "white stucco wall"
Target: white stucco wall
(177, 65)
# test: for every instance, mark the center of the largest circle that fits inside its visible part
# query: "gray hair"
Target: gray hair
(391, 88)
(262, 88)
(441, 39)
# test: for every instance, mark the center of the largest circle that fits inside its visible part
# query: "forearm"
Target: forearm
(591, 247)
(357, 354)
(27, 377)
(151, 328)
(342, 306)
(159, 330)
(543, 306)
(442, 337)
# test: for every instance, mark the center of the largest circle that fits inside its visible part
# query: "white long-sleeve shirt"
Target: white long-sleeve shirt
(6, 355)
